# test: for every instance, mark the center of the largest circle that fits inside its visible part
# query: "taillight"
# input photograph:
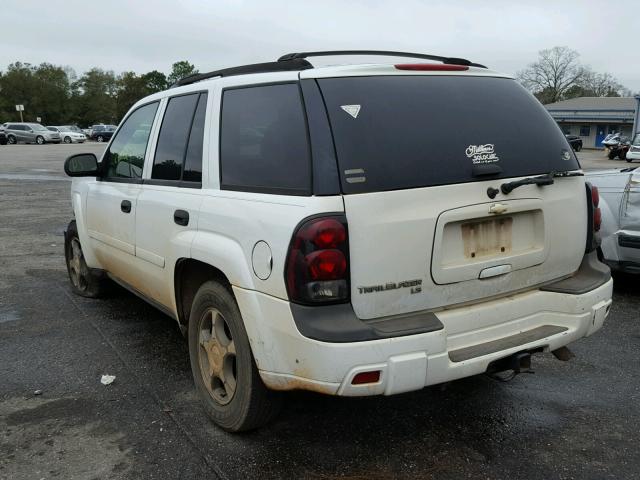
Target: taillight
(431, 67)
(595, 217)
(597, 214)
(317, 269)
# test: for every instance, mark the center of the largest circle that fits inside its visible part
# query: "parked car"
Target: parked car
(575, 142)
(3, 137)
(69, 133)
(634, 149)
(30, 133)
(620, 206)
(102, 133)
(364, 269)
(619, 149)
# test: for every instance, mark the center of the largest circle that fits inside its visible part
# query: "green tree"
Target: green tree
(16, 87)
(180, 70)
(156, 81)
(131, 88)
(95, 98)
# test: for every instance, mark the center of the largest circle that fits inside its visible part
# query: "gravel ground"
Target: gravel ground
(575, 420)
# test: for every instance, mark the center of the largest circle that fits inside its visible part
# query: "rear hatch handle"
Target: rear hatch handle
(541, 180)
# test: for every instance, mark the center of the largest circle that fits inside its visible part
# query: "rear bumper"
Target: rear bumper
(287, 360)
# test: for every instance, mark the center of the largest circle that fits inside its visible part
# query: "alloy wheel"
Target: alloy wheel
(217, 356)
(77, 266)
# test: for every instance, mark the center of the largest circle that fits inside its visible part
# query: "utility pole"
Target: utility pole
(636, 118)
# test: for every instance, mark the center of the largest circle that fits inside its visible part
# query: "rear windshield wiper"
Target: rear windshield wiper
(541, 180)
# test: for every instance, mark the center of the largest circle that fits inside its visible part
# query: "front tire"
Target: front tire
(40, 140)
(67, 139)
(100, 139)
(224, 371)
(11, 140)
(84, 281)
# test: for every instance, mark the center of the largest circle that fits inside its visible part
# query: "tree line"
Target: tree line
(559, 75)
(56, 95)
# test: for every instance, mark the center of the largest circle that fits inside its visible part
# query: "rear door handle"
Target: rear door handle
(125, 206)
(181, 217)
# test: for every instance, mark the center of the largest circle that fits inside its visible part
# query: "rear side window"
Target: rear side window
(180, 140)
(399, 132)
(263, 141)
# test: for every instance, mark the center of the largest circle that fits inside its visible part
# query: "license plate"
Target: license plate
(487, 237)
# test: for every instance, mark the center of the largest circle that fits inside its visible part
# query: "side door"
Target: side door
(169, 202)
(20, 132)
(629, 235)
(111, 201)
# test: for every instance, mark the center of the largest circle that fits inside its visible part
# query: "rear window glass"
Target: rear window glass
(398, 132)
(263, 140)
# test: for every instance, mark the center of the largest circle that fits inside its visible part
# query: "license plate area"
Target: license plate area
(467, 241)
(487, 238)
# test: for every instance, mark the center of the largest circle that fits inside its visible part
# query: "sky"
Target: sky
(144, 35)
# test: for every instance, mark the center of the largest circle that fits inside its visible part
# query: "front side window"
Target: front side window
(179, 151)
(263, 140)
(125, 156)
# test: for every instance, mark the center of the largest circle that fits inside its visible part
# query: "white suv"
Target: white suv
(351, 230)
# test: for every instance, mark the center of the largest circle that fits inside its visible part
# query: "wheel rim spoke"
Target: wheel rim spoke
(217, 356)
(79, 270)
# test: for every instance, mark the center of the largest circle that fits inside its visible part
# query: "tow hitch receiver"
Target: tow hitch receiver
(519, 362)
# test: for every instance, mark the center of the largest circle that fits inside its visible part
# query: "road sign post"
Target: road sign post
(20, 108)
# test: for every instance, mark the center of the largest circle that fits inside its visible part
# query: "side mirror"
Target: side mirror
(81, 165)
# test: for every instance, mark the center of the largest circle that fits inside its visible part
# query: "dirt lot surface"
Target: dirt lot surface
(575, 420)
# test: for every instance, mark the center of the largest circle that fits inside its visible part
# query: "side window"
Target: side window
(193, 160)
(125, 157)
(263, 140)
(179, 151)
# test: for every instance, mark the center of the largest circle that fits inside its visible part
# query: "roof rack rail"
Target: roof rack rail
(279, 66)
(448, 60)
(292, 62)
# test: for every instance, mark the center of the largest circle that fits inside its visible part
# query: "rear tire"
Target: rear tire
(100, 139)
(67, 139)
(224, 370)
(40, 140)
(84, 281)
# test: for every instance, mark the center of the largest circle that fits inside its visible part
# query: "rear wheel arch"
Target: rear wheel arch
(189, 276)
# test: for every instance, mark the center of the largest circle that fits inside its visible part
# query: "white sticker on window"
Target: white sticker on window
(352, 110)
(482, 153)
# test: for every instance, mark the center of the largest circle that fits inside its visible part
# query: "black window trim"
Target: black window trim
(102, 166)
(308, 192)
(178, 183)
